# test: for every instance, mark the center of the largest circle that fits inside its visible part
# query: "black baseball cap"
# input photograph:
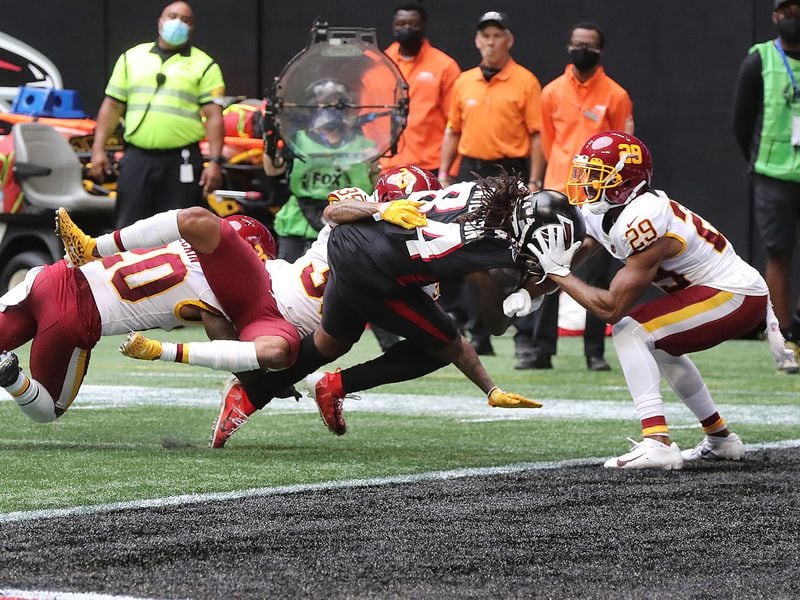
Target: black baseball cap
(493, 18)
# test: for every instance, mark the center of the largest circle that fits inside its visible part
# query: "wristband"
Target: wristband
(220, 160)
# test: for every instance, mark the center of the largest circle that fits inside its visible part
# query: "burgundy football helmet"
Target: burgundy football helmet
(399, 182)
(611, 169)
(254, 233)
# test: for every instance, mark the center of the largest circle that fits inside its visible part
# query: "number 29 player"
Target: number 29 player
(711, 294)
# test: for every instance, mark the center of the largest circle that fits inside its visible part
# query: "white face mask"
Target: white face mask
(174, 32)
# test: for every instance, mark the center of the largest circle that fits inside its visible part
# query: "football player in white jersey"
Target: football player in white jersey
(264, 338)
(711, 294)
(66, 310)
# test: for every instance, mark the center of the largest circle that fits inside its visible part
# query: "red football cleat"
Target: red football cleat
(326, 390)
(234, 411)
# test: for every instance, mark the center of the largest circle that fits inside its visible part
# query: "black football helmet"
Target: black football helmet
(535, 210)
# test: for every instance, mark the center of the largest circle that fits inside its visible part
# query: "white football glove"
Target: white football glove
(549, 246)
(349, 193)
(520, 303)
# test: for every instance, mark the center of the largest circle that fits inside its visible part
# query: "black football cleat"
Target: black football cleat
(9, 368)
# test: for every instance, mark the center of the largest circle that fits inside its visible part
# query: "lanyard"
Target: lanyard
(788, 68)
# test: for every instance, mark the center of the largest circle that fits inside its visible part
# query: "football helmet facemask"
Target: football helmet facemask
(399, 182)
(611, 169)
(541, 208)
(254, 233)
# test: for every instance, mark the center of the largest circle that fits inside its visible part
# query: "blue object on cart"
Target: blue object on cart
(48, 102)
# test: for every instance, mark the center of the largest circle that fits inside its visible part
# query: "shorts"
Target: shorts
(777, 206)
(61, 317)
(243, 287)
(699, 317)
(357, 294)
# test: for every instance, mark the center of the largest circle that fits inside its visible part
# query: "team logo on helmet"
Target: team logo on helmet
(399, 182)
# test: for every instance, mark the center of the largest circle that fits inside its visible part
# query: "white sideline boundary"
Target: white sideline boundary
(6, 594)
(185, 499)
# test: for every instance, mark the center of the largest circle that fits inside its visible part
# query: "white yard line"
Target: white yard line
(186, 499)
(464, 408)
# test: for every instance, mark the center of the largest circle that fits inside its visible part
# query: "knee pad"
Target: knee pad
(629, 328)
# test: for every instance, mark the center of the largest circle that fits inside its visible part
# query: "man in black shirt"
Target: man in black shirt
(767, 127)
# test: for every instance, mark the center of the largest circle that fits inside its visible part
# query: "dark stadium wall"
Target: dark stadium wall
(677, 58)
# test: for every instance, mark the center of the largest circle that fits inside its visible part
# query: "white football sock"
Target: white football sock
(685, 379)
(151, 232)
(635, 346)
(222, 355)
(33, 399)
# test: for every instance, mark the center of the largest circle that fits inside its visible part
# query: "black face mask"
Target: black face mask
(409, 38)
(789, 29)
(489, 72)
(584, 59)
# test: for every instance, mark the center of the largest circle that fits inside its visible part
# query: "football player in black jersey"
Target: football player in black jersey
(377, 274)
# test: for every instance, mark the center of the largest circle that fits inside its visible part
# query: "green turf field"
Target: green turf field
(103, 454)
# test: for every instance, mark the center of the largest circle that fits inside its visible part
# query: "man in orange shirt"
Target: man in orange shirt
(493, 124)
(575, 106)
(495, 116)
(430, 74)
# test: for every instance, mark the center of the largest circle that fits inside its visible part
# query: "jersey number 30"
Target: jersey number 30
(133, 283)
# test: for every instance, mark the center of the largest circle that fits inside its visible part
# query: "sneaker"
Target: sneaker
(534, 361)
(787, 363)
(523, 349)
(597, 363)
(79, 247)
(648, 454)
(716, 448)
(326, 390)
(234, 411)
(9, 369)
(138, 346)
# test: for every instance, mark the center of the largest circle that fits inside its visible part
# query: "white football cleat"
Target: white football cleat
(716, 448)
(787, 363)
(648, 454)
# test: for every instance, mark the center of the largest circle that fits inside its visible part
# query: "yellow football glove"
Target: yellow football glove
(403, 213)
(500, 399)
